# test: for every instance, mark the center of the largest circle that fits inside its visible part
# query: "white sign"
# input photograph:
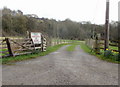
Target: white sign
(36, 37)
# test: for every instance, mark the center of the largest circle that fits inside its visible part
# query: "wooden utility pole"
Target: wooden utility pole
(119, 28)
(107, 26)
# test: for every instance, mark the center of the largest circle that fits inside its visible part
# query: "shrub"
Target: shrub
(116, 56)
(108, 54)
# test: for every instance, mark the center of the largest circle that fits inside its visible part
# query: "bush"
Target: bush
(108, 54)
(116, 56)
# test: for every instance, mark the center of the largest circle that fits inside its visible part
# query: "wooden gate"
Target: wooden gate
(20, 46)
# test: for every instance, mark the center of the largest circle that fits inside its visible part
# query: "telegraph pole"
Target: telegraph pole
(119, 28)
(107, 26)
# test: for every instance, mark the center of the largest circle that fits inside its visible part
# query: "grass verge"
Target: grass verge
(102, 57)
(30, 56)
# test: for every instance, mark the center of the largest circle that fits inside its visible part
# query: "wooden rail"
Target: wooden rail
(14, 47)
(100, 44)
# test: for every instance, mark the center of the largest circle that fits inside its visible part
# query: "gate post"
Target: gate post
(9, 47)
(42, 42)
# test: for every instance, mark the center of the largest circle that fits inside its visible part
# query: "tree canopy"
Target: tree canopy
(15, 23)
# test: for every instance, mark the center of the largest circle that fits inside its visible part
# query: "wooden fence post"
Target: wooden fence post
(9, 47)
(97, 46)
(42, 43)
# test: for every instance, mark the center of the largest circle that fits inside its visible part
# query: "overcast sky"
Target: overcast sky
(76, 10)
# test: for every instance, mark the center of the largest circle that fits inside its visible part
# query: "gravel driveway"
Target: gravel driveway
(62, 68)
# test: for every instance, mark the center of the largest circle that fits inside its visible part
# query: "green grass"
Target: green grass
(85, 47)
(113, 48)
(102, 57)
(72, 46)
(30, 56)
(3, 54)
(3, 49)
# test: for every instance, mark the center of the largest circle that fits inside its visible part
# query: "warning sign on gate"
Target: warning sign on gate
(36, 37)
